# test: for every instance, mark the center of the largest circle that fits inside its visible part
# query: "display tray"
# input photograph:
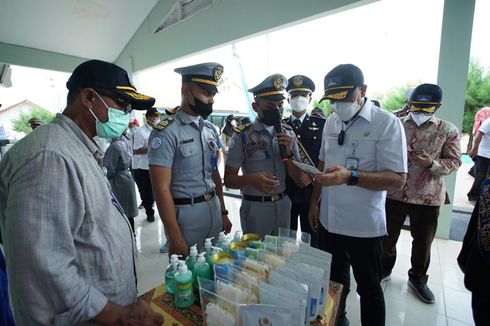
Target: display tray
(162, 302)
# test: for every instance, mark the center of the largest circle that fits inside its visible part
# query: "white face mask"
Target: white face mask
(299, 103)
(345, 110)
(420, 118)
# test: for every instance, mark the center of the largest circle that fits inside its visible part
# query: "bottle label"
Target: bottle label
(184, 291)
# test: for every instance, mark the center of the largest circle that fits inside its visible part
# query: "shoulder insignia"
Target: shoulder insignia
(164, 123)
(286, 126)
(241, 128)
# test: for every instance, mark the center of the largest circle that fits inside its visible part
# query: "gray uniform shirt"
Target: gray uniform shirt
(256, 150)
(67, 246)
(190, 151)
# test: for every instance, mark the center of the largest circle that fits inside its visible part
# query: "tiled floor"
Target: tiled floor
(453, 301)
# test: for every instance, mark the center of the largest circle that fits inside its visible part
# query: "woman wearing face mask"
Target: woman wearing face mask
(308, 130)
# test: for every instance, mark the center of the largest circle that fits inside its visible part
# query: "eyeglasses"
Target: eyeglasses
(123, 104)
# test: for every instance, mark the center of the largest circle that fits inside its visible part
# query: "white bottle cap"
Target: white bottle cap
(222, 236)
(182, 268)
(200, 258)
(207, 243)
(193, 251)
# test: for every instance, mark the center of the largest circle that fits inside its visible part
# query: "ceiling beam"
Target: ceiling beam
(30, 57)
(225, 22)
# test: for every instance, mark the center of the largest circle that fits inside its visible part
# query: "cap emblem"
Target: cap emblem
(218, 72)
(278, 83)
(298, 81)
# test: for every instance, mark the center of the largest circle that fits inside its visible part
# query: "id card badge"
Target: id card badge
(351, 163)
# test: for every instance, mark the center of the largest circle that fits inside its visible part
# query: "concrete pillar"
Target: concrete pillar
(457, 26)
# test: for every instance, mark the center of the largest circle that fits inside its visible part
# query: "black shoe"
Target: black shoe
(141, 206)
(422, 291)
(150, 218)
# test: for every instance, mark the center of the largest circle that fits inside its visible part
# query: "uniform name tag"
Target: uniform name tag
(187, 141)
(351, 163)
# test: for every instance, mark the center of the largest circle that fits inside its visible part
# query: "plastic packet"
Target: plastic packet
(221, 309)
(316, 275)
(250, 289)
(314, 293)
(256, 266)
(271, 258)
(270, 294)
(261, 314)
(321, 263)
(301, 289)
(232, 292)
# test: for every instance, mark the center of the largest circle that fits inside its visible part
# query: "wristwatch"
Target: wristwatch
(354, 178)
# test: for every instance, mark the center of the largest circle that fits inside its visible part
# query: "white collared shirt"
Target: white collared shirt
(302, 118)
(140, 140)
(377, 140)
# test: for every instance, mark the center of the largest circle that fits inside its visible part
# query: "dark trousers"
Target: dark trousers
(423, 226)
(481, 171)
(480, 303)
(143, 181)
(302, 210)
(364, 255)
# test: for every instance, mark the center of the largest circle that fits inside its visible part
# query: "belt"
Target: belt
(194, 200)
(272, 198)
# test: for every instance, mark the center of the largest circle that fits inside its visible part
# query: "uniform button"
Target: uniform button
(299, 136)
(314, 137)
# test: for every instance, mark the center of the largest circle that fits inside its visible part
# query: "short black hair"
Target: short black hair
(72, 94)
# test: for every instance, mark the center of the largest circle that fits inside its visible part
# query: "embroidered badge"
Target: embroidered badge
(218, 72)
(156, 143)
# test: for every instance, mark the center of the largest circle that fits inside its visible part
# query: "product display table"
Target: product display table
(163, 303)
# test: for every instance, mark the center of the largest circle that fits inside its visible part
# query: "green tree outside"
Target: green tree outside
(477, 93)
(394, 98)
(21, 124)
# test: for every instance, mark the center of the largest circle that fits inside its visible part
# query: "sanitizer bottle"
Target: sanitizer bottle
(201, 269)
(184, 294)
(192, 259)
(238, 236)
(170, 273)
(222, 242)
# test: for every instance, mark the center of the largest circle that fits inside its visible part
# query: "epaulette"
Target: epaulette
(241, 128)
(286, 126)
(164, 123)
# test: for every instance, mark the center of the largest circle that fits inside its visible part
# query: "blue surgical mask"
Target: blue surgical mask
(115, 126)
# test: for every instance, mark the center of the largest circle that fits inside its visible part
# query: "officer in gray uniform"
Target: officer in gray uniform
(256, 148)
(183, 164)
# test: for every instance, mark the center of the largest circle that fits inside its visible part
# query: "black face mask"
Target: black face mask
(201, 108)
(271, 116)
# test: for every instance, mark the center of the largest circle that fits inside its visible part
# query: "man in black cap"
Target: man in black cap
(308, 130)
(141, 170)
(68, 244)
(433, 152)
(264, 151)
(35, 122)
(184, 164)
(363, 154)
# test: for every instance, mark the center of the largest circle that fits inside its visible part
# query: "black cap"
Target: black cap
(205, 75)
(108, 76)
(426, 95)
(271, 88)
(152, 111)
(300, 83)
(341, 81)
